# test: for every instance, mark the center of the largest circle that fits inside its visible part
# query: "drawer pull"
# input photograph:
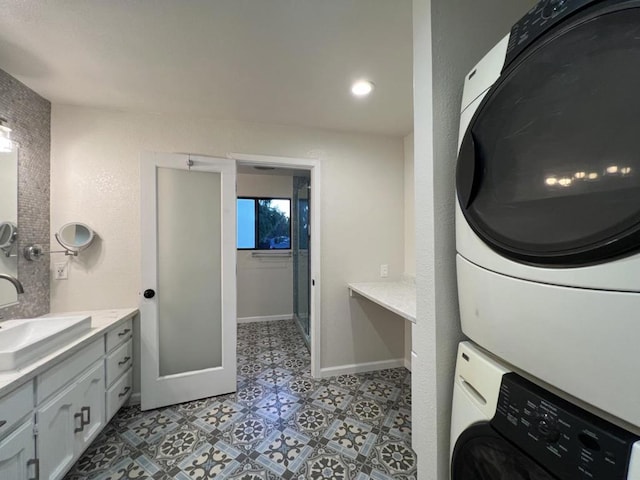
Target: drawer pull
(36, 468)
(124, 392)
(124, 361)
(124, 332)
(88, 412)
(2, 423)
(81, 427)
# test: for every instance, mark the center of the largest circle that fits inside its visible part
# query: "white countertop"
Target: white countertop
(399, 297)
(101, 321)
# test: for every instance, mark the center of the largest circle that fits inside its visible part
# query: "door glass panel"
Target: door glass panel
(189, 270)
(557, 142)
(301, 257)
(491, 458)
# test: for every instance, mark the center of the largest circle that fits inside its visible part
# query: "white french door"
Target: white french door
(188, 306)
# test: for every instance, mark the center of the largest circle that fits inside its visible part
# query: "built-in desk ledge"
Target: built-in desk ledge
(398, 296)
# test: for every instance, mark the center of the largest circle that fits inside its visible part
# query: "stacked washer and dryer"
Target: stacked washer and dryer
(548, 242)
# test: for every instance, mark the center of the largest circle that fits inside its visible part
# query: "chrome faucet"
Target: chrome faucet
(14, 280)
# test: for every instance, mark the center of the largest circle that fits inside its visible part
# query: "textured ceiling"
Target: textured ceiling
(276, 61)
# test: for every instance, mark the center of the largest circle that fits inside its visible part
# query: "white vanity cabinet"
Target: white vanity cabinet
(49, 421)
(57, 422)
(119, 367)
(69, 422)
(17, 454)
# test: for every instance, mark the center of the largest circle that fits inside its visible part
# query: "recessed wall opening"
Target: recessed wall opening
(273, 243)
(278, 251)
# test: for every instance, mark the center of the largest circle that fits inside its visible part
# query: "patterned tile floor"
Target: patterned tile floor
(281, 423)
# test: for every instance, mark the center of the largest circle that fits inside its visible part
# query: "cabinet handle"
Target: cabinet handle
(2, 423)
(88, 412)
(124, 332)
(124, 392)
(36, 468)
(124, 360)
(81, 428)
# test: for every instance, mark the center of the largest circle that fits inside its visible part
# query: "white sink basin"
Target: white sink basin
(25, 341)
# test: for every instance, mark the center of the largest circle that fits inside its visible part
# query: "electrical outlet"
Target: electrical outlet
(60, 271)
(384, 270)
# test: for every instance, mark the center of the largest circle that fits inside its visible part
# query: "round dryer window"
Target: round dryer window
(482, 454)
(549, 169)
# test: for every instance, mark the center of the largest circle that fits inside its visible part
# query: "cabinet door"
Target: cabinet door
(57, 420)
(90, 395)
(17, 453)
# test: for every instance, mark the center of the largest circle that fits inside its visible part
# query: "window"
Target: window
(264, 223)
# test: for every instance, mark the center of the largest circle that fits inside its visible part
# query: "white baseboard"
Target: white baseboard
(134, 399)
(361, 367)
(407, 363)
(266, 318)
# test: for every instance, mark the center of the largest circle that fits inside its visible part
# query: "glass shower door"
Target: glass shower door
(301, 258)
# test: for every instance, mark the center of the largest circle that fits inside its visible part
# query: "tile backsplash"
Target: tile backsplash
(29, 117)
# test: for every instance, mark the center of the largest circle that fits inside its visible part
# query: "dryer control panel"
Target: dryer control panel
(567, 440)
(545, 15)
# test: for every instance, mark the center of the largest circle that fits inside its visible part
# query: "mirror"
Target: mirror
(8, 223)
(8, 236)
(75, 237)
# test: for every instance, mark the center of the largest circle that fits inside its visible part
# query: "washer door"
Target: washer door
(482, 454)
(549, 170)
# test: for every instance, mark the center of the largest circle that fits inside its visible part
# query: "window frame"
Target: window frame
(257, 220)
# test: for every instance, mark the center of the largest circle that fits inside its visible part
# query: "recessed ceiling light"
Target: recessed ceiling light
(362, 88)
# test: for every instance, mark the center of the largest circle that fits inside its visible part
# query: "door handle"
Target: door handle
(124, 332)
(124, 392)
(86, 410)
(124, 361)
(149, 293)
(81, 427)
(36, 468)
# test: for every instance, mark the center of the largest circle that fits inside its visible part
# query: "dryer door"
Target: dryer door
(482, 454)
(549, 170)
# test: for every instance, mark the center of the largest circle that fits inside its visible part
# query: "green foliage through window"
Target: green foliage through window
(264, 223)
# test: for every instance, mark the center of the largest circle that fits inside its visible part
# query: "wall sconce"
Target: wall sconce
(6, 145)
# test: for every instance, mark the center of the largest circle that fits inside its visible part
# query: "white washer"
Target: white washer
(504, 427)
(548, 211)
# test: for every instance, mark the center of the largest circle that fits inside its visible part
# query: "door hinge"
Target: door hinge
(35, 430)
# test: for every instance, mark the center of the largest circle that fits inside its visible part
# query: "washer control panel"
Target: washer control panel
(542, 17)
(565, 439)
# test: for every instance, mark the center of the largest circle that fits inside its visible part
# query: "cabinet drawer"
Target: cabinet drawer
(118, 335)
(119, 393)
(118, 361)
(62, 373)
(14, 406)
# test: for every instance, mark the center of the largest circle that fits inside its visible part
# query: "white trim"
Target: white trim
(407, 363)
(314, 166)
(265, 318)
(134, 399)
(361, 367)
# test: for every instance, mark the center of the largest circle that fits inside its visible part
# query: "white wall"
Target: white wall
(409, 208)
(450, 36)
(265, 285)
(95, 179)
(409, 232)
